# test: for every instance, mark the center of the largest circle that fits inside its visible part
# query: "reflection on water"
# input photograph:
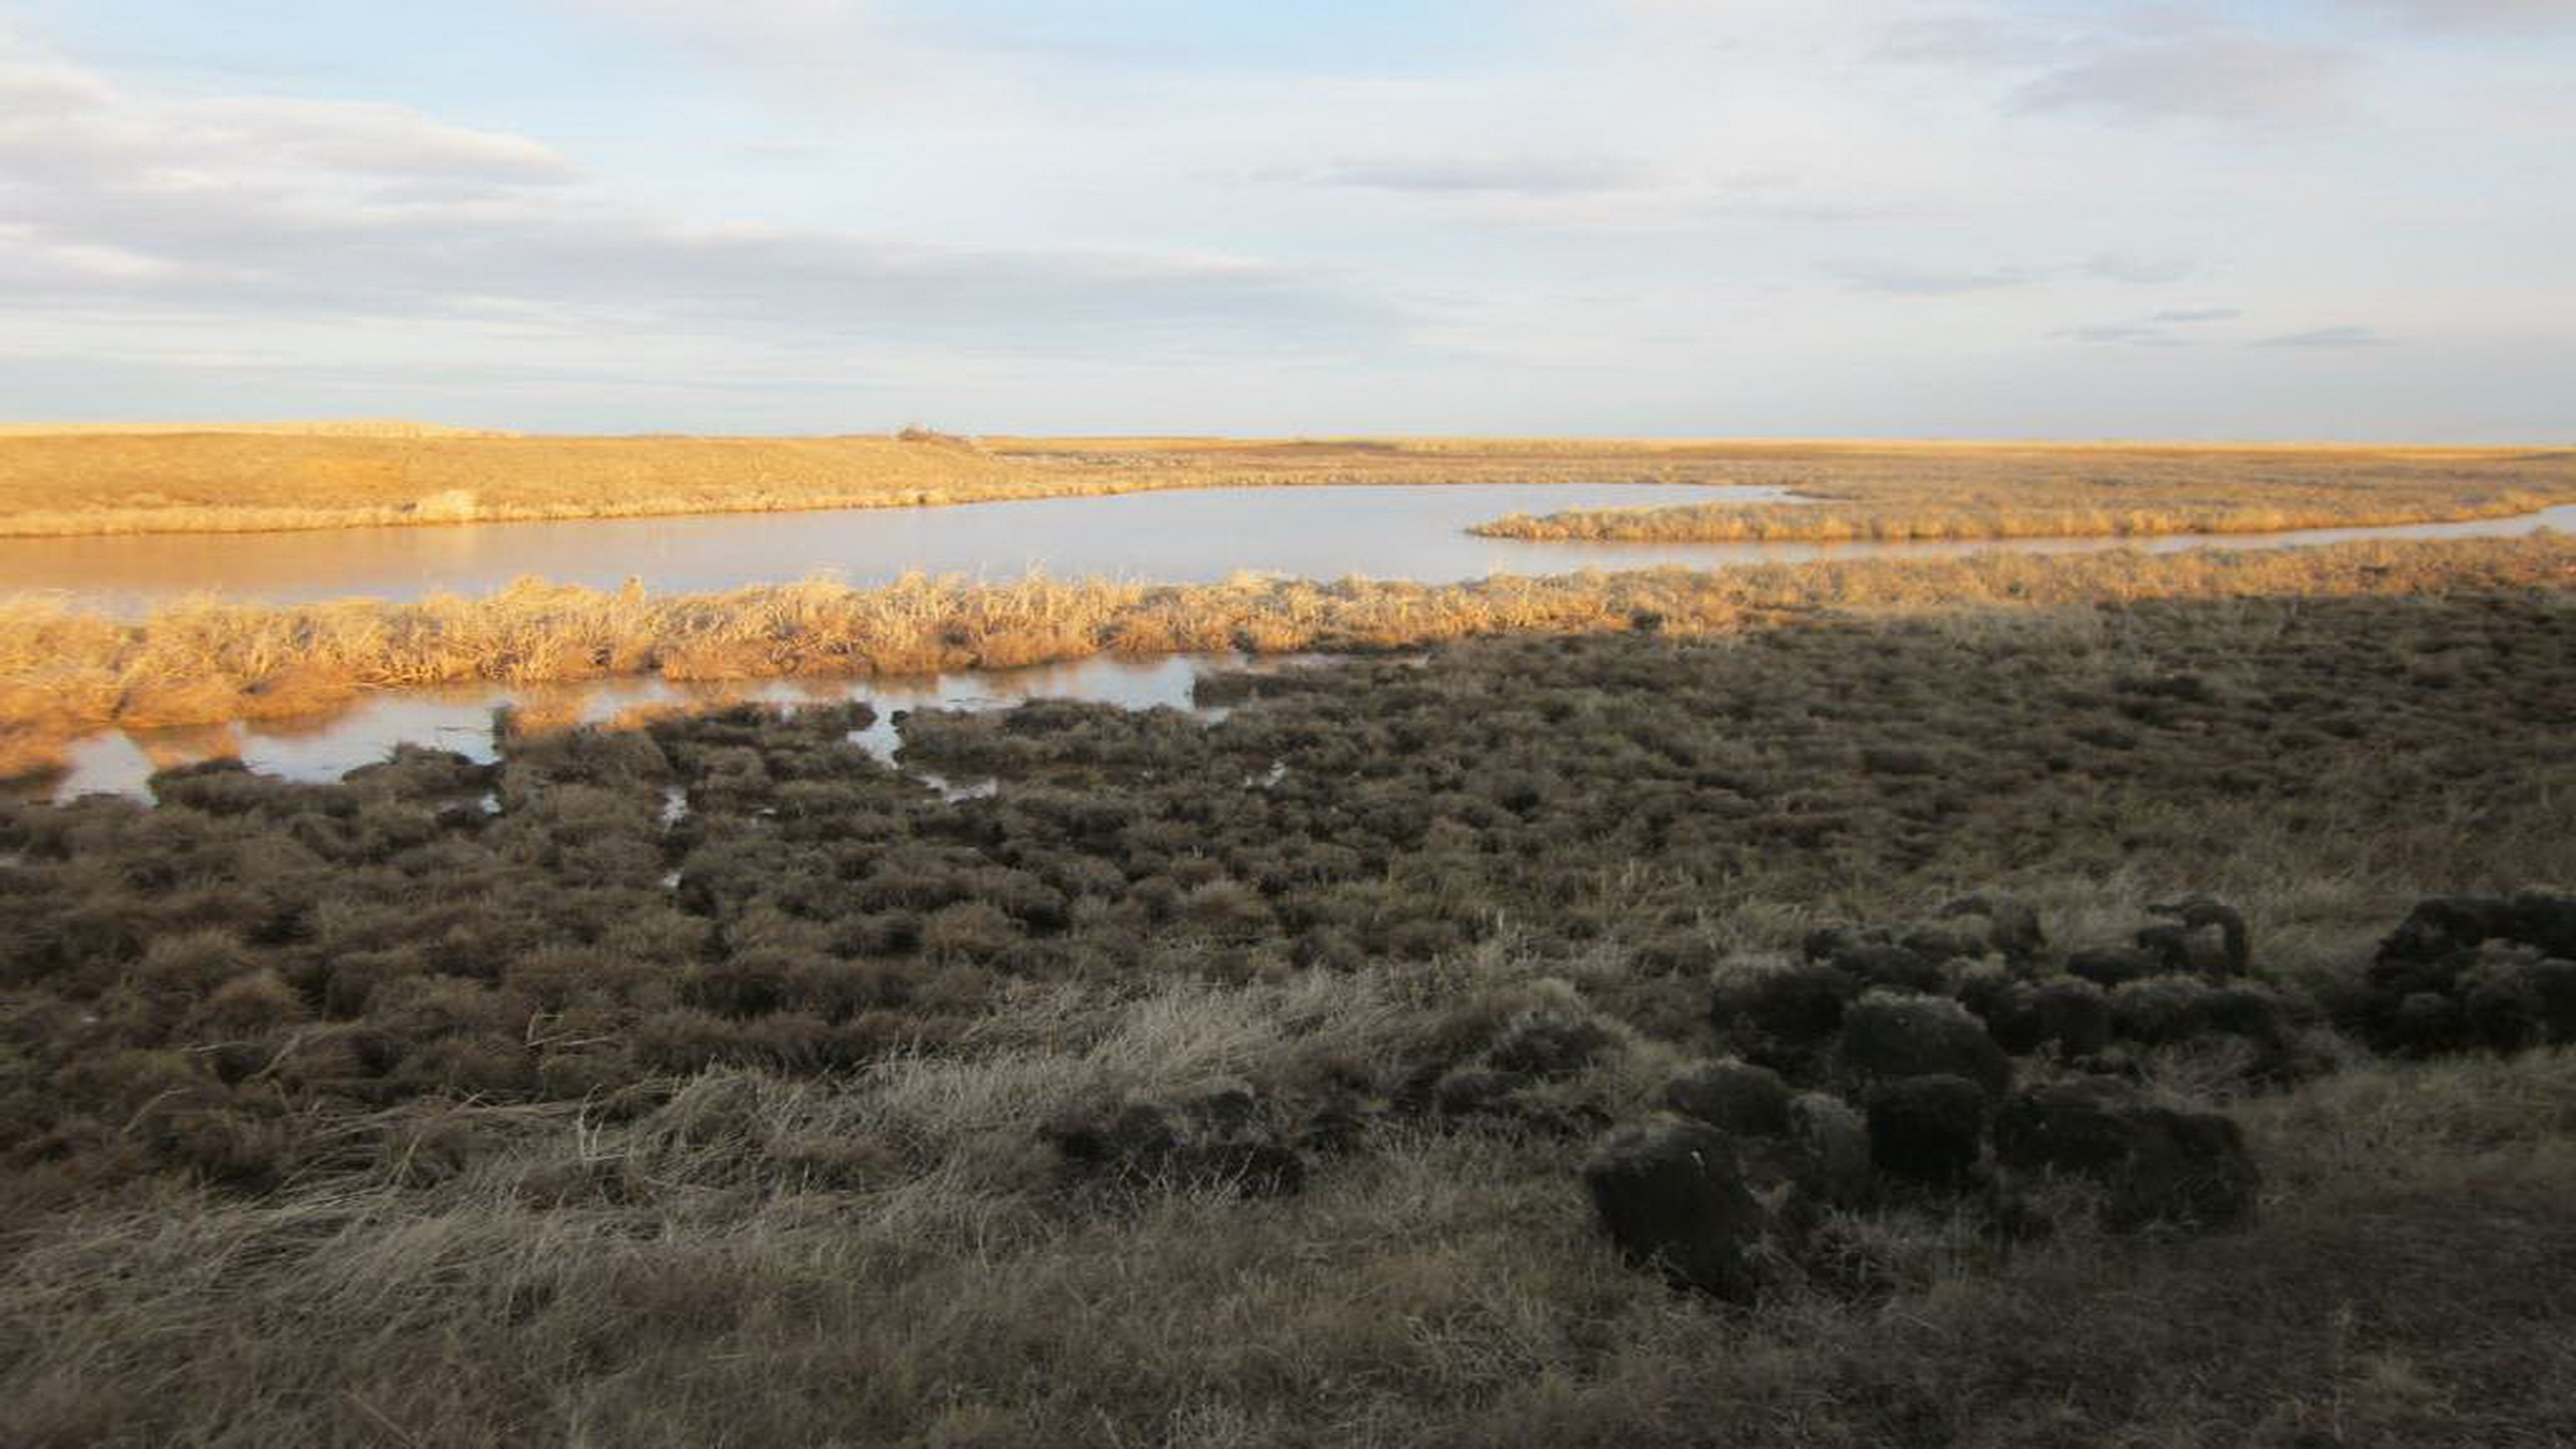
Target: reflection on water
(1324, 532)
(1181, 536)
(460, 718)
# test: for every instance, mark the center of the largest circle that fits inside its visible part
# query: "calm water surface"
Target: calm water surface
(1181, 536)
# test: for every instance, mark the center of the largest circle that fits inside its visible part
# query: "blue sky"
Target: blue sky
(2300, 218)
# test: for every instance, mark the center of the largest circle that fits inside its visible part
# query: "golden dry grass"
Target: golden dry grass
(55, 483)
(2110, 491)
(60, 482)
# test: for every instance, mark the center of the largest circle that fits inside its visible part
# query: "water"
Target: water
(1179, 536)
(459, 718)
(1183, 536)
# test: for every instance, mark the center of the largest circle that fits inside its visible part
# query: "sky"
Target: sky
(2287, 219)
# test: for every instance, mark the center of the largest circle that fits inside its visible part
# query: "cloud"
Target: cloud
(2349, 336)
(2133, 334)
(765, 24)
(2459, 15)
(1963, 38)
(2158, 329)
(270, 209)
(1906, 281)
(1520, 174)
(371, 139)
(65, 126)
(1913, 281)
(2143, 271)
(827, 56)
(2199, 75)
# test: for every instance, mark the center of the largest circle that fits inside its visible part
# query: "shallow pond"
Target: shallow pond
(1198, 535)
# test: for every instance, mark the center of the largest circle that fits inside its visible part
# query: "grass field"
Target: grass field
(714, 1083)
(66, 483)
(1996, 493)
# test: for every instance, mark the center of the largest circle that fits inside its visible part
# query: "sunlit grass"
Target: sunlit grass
(1924, 493)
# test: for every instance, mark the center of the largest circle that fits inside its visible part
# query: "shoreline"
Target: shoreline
(65, 673)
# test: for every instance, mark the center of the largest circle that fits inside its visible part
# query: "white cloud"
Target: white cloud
(1524, 173)
(270, 208)
(795, 23)
(62, 124)
(1912, 281)
(365, 138)
(2142, 270)
(2216, 77)
(2469, 15)
(1933, 281)
(2332, 338)
(1660, 215)
(2173, 327)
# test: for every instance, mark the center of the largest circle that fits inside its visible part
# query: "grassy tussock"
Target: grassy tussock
(205, 660)
(1899, 497)
(358, 1113)
(2406, 1286)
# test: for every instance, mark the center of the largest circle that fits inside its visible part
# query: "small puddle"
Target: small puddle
(460, 719)
(983, 787)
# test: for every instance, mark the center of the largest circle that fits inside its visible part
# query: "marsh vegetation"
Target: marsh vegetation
(64, 669)
(1230, 1082)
